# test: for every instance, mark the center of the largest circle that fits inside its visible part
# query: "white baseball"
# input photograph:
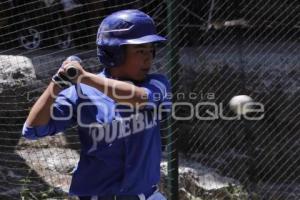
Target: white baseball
(240, 104)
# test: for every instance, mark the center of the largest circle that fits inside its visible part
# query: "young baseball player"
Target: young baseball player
(117, 112)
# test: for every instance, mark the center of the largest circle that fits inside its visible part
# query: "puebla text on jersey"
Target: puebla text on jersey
(120, 148)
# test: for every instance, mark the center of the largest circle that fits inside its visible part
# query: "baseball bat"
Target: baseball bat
(72, 72)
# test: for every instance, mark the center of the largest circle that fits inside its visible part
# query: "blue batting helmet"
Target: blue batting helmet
(121, 28)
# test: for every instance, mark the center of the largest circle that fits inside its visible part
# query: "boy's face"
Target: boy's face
(138, 61)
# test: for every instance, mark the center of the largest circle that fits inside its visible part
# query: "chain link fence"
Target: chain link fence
(225, 48)
(252, 48)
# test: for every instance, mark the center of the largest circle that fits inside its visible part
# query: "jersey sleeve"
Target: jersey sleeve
(158, 92)
(63, 115)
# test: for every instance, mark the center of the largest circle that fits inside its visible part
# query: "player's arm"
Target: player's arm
(40, 112)
(52, 112)
(120, 91)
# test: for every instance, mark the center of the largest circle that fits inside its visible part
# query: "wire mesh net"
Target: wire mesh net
(244, 48)
(225, 48)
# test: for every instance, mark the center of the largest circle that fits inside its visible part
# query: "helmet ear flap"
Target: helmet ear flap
(111, 56)
(104, 57)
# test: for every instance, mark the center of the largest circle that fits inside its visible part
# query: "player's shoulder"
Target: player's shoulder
(158, 81)
(158, 77)
(88, 91)
(76, 90)
(68, 92)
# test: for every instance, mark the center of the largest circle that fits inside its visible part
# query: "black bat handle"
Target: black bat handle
(72, 72)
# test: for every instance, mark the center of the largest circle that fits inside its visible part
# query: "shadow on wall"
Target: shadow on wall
(28, 168)
(223, 144)
(18, 180)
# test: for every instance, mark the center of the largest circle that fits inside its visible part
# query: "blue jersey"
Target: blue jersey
(120, 146)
